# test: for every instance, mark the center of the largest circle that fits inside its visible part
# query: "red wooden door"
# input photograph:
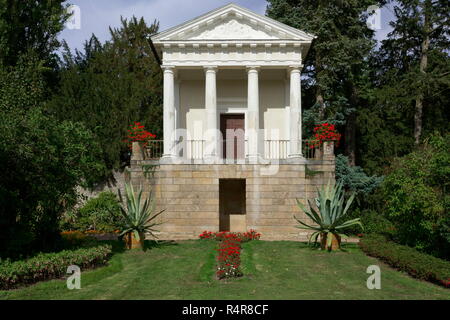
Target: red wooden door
(232, 127)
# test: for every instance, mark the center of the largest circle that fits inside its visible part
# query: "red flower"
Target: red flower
(138, 133)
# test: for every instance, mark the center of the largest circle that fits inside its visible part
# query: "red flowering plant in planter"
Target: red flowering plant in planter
(138, 133)
(324, 132)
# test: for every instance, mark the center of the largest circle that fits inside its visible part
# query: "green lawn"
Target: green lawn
(273, 270)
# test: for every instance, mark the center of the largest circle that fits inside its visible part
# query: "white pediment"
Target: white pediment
(232, 22)
(231, 29)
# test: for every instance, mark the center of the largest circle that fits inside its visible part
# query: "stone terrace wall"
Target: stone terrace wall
(189, 193)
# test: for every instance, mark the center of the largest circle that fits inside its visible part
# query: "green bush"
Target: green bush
(43, 160)
(415, 263)
(375, 222)
(50, 265)
(354, 178)
(416, 198)
(101, 213)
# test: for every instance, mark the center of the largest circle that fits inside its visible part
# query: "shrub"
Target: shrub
(43, 160)
(50, 265)
(354, 178)
(415, 263)
(101, 213)
(416, 198)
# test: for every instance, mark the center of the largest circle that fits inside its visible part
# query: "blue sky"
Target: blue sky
(98, 15)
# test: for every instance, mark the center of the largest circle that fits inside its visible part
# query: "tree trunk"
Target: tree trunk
(321, 103)
(423, 66)
(350, 137)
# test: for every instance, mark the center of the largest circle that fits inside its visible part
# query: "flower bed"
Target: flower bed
(417, 264)
(50, 265)
(229, 251)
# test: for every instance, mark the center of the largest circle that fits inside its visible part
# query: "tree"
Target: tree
(30, 26)
(414, 59)
(43, 161)
(111, 85)
(333, 66)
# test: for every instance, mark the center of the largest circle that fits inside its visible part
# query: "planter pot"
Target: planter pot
(318, 153)
(132, 243)
(335, 242)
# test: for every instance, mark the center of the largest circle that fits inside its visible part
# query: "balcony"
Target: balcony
(231, 150)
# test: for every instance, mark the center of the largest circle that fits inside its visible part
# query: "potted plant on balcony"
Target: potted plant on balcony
(323, 132)
(328, 215)
(139, 218)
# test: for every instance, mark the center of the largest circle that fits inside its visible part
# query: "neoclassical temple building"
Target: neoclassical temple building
(232, 157)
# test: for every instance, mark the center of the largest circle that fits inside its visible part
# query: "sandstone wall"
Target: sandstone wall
(190, 195)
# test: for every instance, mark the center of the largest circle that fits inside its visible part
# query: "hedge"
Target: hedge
(415, 263)
(47, 266)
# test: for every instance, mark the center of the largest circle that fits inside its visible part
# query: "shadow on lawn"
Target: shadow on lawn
(154, 244)
(118, 246)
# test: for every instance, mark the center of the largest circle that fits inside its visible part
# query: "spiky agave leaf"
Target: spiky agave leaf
(331, 208)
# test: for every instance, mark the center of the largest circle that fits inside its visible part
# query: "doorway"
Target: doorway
(232, 127)
(232, 211)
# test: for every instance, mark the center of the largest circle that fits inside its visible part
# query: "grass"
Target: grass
(273, 270)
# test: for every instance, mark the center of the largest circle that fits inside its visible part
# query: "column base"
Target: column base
(168, 159)
(210, 159)
(295, 158)
(253, 158)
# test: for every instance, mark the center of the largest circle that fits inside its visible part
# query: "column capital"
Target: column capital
(210, 68)
(251, 69)
(167, 68)
(295, 68)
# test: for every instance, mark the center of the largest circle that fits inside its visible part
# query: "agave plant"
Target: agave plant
(139, 217)
(328, 215)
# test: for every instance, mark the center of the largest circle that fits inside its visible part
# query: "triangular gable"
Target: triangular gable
(232, 22)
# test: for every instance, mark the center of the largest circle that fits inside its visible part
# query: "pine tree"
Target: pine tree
(30, 26)
(109, 86)
(414, 59)
(333, 66)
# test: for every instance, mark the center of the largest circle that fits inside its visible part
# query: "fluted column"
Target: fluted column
(169, 112)
(295, 124)
(210, 150)
(253, 114)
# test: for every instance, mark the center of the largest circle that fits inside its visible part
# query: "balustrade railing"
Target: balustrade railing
(194, 149)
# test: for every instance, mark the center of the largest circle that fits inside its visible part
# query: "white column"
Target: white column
(253, 114)
(169, 112)
(211, 137)
(295, 124)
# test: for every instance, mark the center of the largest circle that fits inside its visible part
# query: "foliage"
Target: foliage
(137, 133)
(110, 85)
(138, 214)
(30, 25)
(76, 239)
(416, 200)
(404, 258)
(101, 213)
(42, 160)
(50, 265)
(354, 178)
(324, 132)
(334, 72)
(329, 216)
